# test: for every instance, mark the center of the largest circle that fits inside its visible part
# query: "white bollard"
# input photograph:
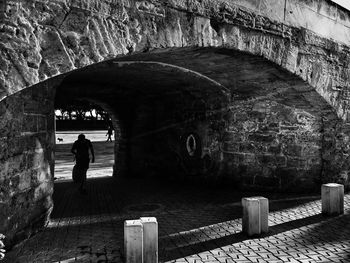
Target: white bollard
(332, 199)
(251, 216)
(264, 214)
(150, 239)
(255, 215)
(133, 241)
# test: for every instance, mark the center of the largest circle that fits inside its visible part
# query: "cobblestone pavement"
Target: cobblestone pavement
(196, 224)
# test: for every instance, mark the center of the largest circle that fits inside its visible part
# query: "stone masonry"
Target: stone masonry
(43, 39)
(243, 91)
(26, 165)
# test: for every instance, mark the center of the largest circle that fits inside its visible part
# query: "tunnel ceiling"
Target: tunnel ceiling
(138, 81)
(204, 73)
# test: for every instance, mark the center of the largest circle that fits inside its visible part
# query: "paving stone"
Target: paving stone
(195, 225)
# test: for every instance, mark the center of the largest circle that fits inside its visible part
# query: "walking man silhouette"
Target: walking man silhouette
(109, 133)
(81, 149)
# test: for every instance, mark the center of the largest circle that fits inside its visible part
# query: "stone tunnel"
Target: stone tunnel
(248, 93)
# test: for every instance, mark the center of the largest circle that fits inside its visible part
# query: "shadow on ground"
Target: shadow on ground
(178, 207)
(192, 219)
(108, 195)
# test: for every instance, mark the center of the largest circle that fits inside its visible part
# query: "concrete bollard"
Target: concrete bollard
(255, 215)
(133, 241)
(150, 239)
(264, 214)
(332, 199)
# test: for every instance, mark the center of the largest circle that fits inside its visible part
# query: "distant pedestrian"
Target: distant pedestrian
(109, 133)
(81, 149)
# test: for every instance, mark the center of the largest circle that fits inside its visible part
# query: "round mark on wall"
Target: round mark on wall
(191, 145)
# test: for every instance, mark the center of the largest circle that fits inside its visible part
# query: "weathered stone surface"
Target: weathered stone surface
(40, 39)
(25, 163)
(225, 74)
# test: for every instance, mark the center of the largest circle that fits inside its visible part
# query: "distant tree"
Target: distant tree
(79, 109)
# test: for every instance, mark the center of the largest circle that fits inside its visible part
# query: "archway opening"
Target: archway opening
(74, 117)
(156, 107)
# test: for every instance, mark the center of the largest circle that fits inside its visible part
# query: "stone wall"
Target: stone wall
(161, 134)
(2, 9)
(26, 161)
(41, 39)
(269, 145)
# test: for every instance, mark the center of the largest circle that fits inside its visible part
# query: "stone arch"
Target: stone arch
(44, 43)
(73, 36)
(127, 90)
(199, 63)
(238, 94)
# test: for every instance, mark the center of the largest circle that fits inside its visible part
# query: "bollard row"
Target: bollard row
(141, 240)
(141, 236)
(256, 209)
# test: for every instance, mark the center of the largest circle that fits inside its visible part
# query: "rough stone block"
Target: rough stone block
(24, 181)
(42, 190)
(150, 239)
(42, 125)
(255, 215)
(261, 137)
(267, 181)
(31, 106)
(332, 199)
(133, 241)
(30, 123)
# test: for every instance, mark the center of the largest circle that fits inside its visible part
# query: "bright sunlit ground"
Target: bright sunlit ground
(104, 155)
